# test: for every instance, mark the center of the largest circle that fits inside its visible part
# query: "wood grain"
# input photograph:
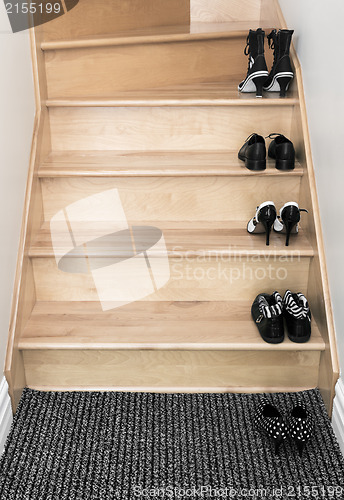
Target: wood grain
(63, 369)
(190, 128)
(152, 325)
(182, 239)
(108, 17)
(154, 163)
(191, 279)
(101, 72)
(170, 199)
(224, 10)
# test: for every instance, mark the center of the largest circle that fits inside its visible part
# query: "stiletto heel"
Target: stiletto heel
(267, 223)
(288, 220)
(284, 82)
(263, 220)
(289, 226)
(269, 420)
(259, 82)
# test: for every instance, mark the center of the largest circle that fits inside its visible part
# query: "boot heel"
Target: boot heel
(289, 226)
(259, 82)
(284, 82)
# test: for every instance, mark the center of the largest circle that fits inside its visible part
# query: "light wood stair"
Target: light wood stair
(142, 98)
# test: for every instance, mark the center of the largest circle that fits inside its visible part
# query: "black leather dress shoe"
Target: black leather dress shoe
(298, 317)
(282, 150)
(267, 313)
(253, 152)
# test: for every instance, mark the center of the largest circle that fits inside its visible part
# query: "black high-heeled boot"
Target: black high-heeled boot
(264, 219)
(300, 425)
(288, 219)
(269, 420)
(298, 316)
(257, 70)
(281, 73)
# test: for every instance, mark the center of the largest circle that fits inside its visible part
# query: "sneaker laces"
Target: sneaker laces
(271, 311)
(298, 307)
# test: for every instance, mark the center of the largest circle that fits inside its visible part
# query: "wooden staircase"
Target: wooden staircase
(142, 97)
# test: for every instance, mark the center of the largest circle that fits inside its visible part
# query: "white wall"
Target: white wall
(17, 107)
(318, 39)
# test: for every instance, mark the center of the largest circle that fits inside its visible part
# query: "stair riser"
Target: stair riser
(217, 11)
(85, 369)
(174, 199)
(191, 279)
(182, 128)
(88, 18)
(99, 72)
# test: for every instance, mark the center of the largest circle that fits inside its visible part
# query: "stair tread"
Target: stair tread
(151, 325)
(195, 94)
(182, 238)
(158, 34)
(151, 163)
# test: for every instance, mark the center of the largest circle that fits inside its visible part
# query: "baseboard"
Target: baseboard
(338, 413)
(5, 413)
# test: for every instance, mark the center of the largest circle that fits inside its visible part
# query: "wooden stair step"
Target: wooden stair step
(183, 239)
(152, 325)
(153, 163)
(155, 34)
(195, 94)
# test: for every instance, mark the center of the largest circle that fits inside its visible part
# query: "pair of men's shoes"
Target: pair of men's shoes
(287, 222)
(269, 311)
(258, 77)
(298, 425)
(281, 149)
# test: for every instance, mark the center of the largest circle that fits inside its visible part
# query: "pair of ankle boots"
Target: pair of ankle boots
(258, 77)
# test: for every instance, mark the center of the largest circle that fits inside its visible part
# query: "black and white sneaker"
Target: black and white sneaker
(300, 425)
(267, 313)
(298, 317)
(281, 73)
(257, 71)
(264, 219)
(269, 420)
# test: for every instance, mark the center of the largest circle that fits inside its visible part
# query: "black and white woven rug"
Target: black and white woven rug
(107, 446)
